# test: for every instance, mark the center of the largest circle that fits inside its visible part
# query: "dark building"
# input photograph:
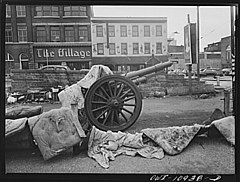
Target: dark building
(41, 35)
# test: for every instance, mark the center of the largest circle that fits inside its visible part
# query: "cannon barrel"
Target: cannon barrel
(148, 70)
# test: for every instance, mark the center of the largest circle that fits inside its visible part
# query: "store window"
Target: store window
(123, 30)
(146, 31)
(24, 62)
(99, 31)
(46, 11)
(83, 34)
(158, 30)
(75, 11)
(100, 49)
(69, 34)
(135, 48)
(8, 34)
(55, 34)
(158, 48)
(124, 48)
(8, 10)
(9, 63)
(41, 34)
(146, 48)
(111, 30)
(135, 31)
(112, 50)
(21, 11)
(22, 33)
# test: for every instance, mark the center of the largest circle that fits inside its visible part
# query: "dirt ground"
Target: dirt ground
(203, 155)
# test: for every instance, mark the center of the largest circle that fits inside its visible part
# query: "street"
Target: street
(203, 155)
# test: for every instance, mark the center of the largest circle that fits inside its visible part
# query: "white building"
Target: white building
(129, 43)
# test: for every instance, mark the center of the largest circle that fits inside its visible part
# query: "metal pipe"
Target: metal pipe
(148, 70)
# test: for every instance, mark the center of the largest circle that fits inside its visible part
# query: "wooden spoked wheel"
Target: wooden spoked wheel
(113, 103)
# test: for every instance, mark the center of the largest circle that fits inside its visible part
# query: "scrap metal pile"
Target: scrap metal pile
(109, 113)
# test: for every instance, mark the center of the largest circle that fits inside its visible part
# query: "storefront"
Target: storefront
(75, 57)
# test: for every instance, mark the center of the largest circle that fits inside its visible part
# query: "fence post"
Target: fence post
(226, 102)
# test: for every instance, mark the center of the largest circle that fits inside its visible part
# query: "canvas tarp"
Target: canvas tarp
(151, 142)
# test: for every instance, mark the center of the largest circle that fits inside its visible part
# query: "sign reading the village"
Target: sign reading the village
(62, 53)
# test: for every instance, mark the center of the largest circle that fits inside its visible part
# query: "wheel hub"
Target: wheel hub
(114, 103)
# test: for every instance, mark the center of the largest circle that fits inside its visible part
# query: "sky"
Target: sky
(214, 21)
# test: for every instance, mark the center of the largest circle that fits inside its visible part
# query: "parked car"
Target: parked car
(55, 67)
(226, 71)
(214, 71)
(202, 72)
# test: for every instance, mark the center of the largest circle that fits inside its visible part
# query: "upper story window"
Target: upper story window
(41, 34)
(22, 33)
(46, 11)
(100, 49)
(124, 48)
(99, 31)
(21, 11)
(8, 34)
(158, 48)
(83, 34)
(146, 31)
(8, 10)
(158, 30)
(112, 49)
(69, 34)
(135, 48)
(75, 11)
(135, 31)
(123, 31)
(55, 34)
(111, 30)
(146, 48)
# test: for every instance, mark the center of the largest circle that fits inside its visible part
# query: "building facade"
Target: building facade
(223, 48)
(41, 35)
(128, 44)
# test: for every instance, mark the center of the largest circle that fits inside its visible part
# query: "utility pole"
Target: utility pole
(197, 47)
(190, 64)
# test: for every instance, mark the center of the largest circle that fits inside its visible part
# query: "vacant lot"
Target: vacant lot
(202, 156)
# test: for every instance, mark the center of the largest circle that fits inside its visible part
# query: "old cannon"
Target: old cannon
(114, 102)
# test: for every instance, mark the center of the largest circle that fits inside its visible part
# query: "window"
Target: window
(83, 34)
(111, 31)
(8, 34)
(41, 34)
(146, 31)
(69, 34)
(8, 10)
(22, 33)
(100, 50)
(46, 11)
(9, 57)
(159, 48)
(146, 48)
(124, 48)
(123, 30)
(75, 11)
(135, 31)
(21, 11)
(158, 30)
(99, 31)
(55, 34)
(135, 48)
(112, 49)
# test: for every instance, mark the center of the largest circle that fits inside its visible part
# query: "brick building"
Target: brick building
(41, 35)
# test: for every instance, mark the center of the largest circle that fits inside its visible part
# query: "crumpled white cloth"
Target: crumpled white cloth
(72, 95)
(105, 146)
